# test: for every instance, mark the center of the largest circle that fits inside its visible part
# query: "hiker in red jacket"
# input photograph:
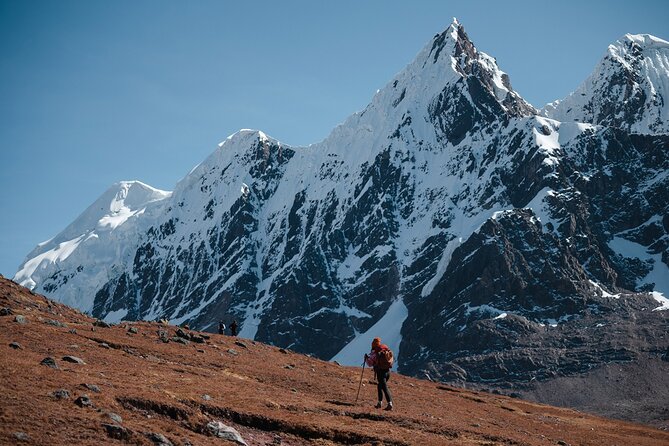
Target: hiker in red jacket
(381, 359)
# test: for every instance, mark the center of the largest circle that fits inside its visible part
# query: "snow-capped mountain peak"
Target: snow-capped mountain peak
(627, 89)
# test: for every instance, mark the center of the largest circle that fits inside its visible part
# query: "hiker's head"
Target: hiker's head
(376, 342)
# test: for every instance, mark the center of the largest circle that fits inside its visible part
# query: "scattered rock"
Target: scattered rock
(180, 340)
(101, 323)
(162, 334)
(197, 339)
(283, 350)
(241, 344)
(49, 361)
(117, 432)
(205, 336)
(60, 394)
(73, 359)
(117, 418)
(206, 397)
(15, 345)
(91, 387)
(563, 443)
(182, 334)
(6, 312)
(133, 330)
(104, 345)
(55, 323)
(21, 436)
(233, 352)
(199, 350)
(289, 366)
(159, 439)
(20, 319)
(83, 401)
(220, 430)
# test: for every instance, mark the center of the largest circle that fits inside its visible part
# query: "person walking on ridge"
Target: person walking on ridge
(381, 358)
(233, 328)
(221, 328)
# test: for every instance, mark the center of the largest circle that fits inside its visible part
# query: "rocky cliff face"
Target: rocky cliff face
(484, 242)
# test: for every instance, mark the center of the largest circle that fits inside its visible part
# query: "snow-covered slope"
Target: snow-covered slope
(444, 210)
(105, 232)
(629, 88)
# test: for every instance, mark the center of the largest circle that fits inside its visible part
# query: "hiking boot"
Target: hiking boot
(378, 405)
(389, 406)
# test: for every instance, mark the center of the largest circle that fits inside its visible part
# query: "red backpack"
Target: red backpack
(385, 359)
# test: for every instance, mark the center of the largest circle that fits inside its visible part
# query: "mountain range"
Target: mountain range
(488, 242)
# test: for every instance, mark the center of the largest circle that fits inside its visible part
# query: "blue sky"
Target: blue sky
(93, 92)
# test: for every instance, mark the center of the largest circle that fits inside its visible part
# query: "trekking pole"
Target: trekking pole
(360, 385)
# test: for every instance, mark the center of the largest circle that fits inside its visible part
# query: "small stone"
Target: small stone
(72, 330)
(159, 439)
(182, 334)
(20, 319)
(21, 436)
(283, 350)
(6, 312)
(289, 366)
(73, 359)
(60, 394)
(83, 401)
(55, 323)
(476, 425)
(91, 387)
(241, 344)
(199, 350)
(232, 351)
(207, 337)
(206, 397)
(104, 345)
(180, 340)
(162, 334)
(117, 418)
(220, 430)
(563, 443)
(15, 345)
(133, 330)
(197, 339)
(49, 362)
(100, 323)
(117, 432)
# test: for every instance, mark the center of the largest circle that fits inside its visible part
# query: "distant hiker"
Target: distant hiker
(233, 328)
(221, 328)
(381, 358)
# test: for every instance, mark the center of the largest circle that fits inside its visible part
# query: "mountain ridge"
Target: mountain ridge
(498, 237)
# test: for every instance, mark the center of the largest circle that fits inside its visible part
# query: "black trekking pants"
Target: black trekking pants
(382, 377)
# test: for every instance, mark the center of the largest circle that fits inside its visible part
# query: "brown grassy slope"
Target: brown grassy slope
(269, 396)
